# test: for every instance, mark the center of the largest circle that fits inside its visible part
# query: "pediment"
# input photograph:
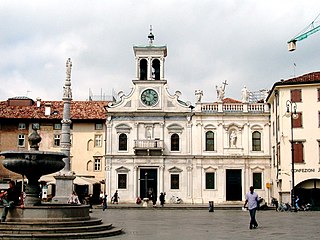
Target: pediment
(210, 127)
(97, 154)
(122, 169)
(210, 169)
(257, 169)
(123, 128)
(175, 128)
(256, 127)
(175, 170)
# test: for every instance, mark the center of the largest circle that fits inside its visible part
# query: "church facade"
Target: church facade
(155, 142)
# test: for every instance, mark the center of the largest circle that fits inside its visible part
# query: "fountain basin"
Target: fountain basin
(33, 163)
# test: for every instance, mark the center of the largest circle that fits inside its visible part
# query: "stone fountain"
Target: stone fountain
(38, 220)
(33, 164)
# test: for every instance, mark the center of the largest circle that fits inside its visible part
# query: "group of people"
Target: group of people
(154, 199)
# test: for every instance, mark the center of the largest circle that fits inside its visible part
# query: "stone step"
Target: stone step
(67, 229)
(57, 236)
(53, 224)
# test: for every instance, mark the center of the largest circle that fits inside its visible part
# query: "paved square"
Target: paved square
(162, 224)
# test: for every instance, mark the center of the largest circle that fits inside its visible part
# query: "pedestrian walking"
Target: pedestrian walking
(162, 199)
(105, 202)
(252, 201)
(115, 198)
(297, 203)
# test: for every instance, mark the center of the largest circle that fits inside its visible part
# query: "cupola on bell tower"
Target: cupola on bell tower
(150, 60)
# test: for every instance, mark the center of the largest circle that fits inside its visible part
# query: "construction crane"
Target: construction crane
(312, 28)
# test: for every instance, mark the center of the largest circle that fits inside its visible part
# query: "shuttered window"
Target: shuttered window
(296, 95)
(298, 152)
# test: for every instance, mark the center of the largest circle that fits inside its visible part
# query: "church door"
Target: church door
(148, 183)
(233, 185)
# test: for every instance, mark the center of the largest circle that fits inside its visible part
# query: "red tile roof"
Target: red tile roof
(309, 78)
(229, 100)
(313, 77)
(80, 110)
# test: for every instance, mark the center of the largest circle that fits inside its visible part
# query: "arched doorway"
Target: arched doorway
(309, 192)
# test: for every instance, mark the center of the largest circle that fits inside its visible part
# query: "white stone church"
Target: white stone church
(158, 143)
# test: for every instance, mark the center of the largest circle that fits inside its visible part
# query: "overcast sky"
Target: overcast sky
(209, 41)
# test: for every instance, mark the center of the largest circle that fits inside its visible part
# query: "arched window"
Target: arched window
(143, 69)
(209, 141)
(174, 142)
(156, 69)
(256, 141)
(123, 142)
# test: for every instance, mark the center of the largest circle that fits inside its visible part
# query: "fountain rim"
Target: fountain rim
(17, 152)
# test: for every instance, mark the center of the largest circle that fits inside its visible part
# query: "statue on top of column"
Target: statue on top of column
(66, 88)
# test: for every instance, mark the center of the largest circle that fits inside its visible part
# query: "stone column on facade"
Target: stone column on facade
(149, 75)
(162, 133)
(189, 180)
(135, 182)
(246, 138)
(189, 135)
(136, 132)
(109, 135)
(108, 178)
(197, 145)
(64, 180)
(264, 139)
(138, 68)
(162, 68)
(161, 178)
(198, 174)
(220, 138)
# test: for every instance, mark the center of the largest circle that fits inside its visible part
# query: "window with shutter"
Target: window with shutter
(298, 152)
(296, 95)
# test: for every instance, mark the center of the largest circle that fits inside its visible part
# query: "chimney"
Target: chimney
(47, 109)
(38, 102)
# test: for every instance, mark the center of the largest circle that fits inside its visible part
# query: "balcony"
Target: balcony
(150, 147)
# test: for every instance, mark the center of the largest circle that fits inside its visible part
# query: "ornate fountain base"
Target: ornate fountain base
(52, 221)
(49, 213)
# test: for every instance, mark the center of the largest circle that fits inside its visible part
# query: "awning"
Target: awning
(49, 179)
(85, 181)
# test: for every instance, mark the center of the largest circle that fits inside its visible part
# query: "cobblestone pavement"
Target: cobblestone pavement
(157, 223)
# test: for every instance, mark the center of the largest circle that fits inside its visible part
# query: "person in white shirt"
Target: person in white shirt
(252, 201)
(74, 199)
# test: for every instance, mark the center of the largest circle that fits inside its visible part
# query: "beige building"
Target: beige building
(18, 116)
(300, 97)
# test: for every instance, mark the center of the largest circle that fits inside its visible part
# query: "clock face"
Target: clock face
(149, 97)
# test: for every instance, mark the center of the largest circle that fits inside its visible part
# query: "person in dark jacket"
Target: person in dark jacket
(162, 199)
(10, 199)
(105, 202)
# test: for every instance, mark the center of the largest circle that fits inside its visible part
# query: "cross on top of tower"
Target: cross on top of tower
(151, 36)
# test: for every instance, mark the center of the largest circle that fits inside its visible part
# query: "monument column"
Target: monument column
(64, 180)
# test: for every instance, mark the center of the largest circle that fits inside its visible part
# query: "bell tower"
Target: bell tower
(150, 60)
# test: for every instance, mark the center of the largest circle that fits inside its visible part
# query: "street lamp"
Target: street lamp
(292, 113)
